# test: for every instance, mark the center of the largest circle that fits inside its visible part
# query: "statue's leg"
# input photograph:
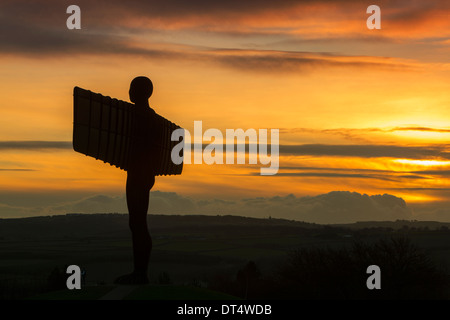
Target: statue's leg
(138, 194)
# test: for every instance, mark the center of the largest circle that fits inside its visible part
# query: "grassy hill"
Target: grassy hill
(191, 251)
(147, 292)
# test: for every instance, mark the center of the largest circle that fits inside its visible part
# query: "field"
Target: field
(187, 250)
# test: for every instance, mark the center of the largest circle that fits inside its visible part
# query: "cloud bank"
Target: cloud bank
(368, 151)
(137, 27)
(333, 207)
(35, 145)
(344, 150)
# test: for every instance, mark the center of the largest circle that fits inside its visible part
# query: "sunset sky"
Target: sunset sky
(358, 110)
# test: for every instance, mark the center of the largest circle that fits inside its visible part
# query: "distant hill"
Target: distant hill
(398, 224)
(113, 225)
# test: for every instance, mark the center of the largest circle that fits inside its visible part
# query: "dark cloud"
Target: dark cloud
(434, 172)
(440, 212)
(114, 10)
(30, 40)
(38, 28)
(360, 135)
(287, 61)
(181, 8)
(41, 40)
(93, 204)
(161, 202)
(353, 173)
(362, 151)
(420, 189)
(344, 175)
(333, 207)
(368, 151)
(34, 145)
(417, 12)
(41, 199)
(427, 129)
(345, 131)
(411, 176)
(331, 175)
(336, 169)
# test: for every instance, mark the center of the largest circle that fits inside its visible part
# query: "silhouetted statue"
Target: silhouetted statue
(140, 180)
(134, 138)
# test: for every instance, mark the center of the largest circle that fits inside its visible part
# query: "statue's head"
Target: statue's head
(141, 89)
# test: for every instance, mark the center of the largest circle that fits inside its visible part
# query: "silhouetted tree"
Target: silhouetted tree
(406, 272)
(56, 280)
(247, 277)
